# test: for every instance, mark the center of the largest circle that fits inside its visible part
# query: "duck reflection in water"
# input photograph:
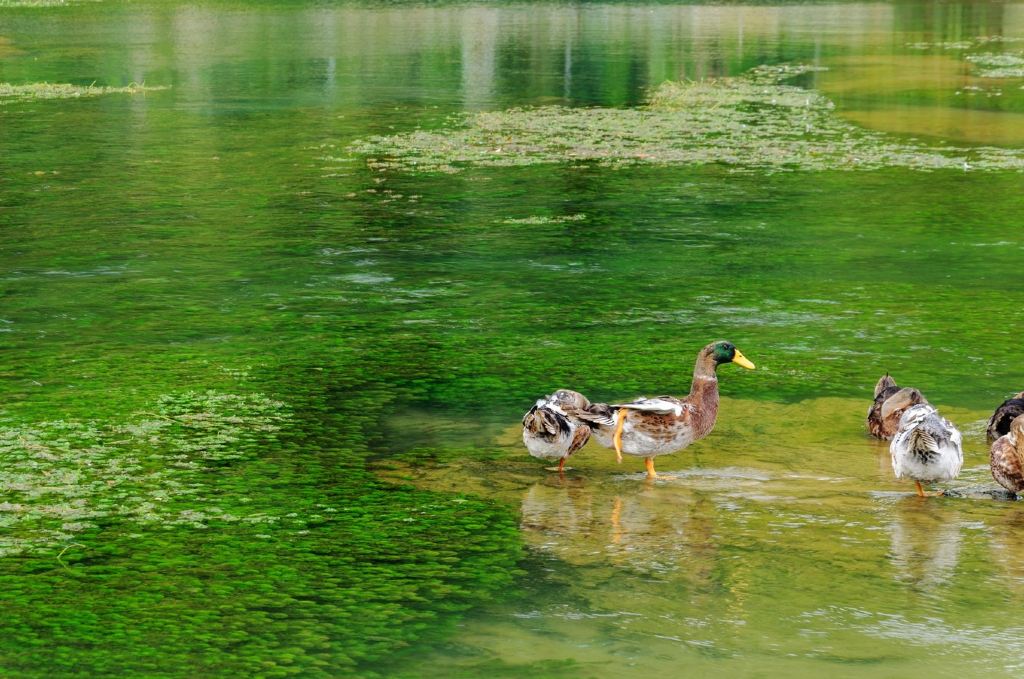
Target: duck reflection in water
(1007, 549)
(924, 543)
(648, 529)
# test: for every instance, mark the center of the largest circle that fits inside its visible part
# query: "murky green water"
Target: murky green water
(261, 398)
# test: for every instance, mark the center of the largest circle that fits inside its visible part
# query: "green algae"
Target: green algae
(39, 4)
(62, 477)
(537, 220)
(751, 123)
(998, 65)
(988, 64)
(45, 91)
(242, 559)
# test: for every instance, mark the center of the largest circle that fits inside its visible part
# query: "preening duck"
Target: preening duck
(926, 447)
(1006, 457)
(999, 423)
(549, 433)
(889, 405)
(648, 427)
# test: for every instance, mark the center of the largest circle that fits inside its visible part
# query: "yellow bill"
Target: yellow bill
(742, 360)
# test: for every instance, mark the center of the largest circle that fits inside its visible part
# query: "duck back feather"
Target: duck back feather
(999, 423)
(926, 447)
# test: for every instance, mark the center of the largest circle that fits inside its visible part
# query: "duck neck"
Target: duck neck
(704, 395)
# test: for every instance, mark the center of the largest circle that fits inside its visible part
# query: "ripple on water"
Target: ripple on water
(999, 646)
(367, 278)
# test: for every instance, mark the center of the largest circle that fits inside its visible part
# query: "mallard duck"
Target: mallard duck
(889, 405)
(648, 427)
(1006, 457)
(999, 423)
(549, 433)
(926, 447)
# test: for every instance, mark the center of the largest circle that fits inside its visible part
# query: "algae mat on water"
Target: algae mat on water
(752, 123)
(10, 92)
(229, 533)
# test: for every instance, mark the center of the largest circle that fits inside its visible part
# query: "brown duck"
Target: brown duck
(1006, 457)
(648, 427)
(889, 405)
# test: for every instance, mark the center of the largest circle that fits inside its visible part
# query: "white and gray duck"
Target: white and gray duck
(926, 447)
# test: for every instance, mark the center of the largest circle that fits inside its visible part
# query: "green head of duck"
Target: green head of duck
(726, 352)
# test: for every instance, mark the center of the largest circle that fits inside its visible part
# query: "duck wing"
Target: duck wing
(933, 435)
(545, 421)
(662, 405)
(596, 414)
(1006, 461)
(579, 439)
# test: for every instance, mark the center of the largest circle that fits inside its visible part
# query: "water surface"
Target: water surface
(261, 406)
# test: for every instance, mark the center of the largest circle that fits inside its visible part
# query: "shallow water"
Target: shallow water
(261, 400)
(781, 545)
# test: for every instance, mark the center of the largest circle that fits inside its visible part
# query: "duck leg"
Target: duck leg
(617, 437)
(921, 492)
(649, 463)
(561, 466)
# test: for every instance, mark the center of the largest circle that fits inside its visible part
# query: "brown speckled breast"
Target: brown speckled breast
(1006, 465)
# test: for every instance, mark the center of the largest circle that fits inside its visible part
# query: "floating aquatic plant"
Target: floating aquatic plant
(998, 65)
(41, 4)
(991, 65)
(972, 43)
(9, 92)
(751, 123)
(537, 220)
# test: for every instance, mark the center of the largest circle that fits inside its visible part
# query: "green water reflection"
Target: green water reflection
(260, 409)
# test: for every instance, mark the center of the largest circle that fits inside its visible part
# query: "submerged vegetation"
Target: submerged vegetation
(253, 543)
(9, 92)
(756, 122)
(62, 477)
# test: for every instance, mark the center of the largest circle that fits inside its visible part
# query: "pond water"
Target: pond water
(262, 392)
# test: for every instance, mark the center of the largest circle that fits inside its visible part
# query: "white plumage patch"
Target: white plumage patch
(636, 442)
(654, 405)
(926, 447)
(547, 450)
